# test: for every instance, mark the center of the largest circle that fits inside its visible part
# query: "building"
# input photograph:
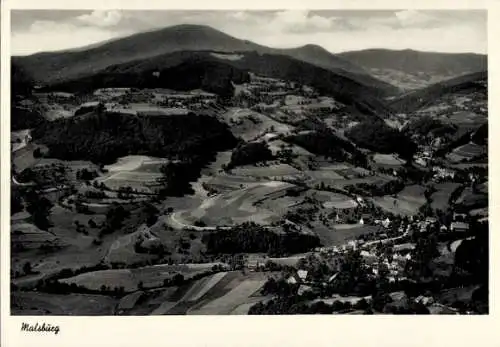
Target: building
(460, 217)
(459, 226)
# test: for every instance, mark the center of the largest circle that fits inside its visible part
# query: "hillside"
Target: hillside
(409, 69)
(363, 99)
(104, 137)
(413, 101)
(65, 65)
(184, 75)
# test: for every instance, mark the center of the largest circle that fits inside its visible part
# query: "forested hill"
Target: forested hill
(209, 75)
(104, 137)
(182, 71)
(50, 67)
(419, 98)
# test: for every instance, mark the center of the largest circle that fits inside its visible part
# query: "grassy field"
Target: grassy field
(467, 151)
(406, 203)
(442, 195)
(150, 276)
(271, 171)
(39, 304)
(238, 206)
(330, 200)
(222, 293)
(250, 125)
(389, 160)
(339, 234)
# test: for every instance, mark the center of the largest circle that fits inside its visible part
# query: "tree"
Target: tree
(39, 207)
(27, 268)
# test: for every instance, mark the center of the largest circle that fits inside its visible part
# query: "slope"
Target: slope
(410, 69)
(61, 66)
(362, 98)
(418, 99)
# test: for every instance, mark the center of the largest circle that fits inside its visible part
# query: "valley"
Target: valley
(218, 176)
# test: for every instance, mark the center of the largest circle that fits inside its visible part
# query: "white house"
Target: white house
(386, 223)
(302, 274)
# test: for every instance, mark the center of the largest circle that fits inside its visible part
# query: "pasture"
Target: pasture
(466, 152)
(441, 197)
(268, 171)
(388, 160)
(406, 203)
(238, 206)
(40, 304)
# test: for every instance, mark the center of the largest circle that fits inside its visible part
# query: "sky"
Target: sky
(336, 30)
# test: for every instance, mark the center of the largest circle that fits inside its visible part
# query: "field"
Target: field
(250, 125)
(39, 304)
(467, 151)
(271, 171)
(141, 173)
(406, 203)
(442, 195)
(222, 293)
(332, 200)
(150, 276)
(388, 160)
(238, 206)
(339, 234)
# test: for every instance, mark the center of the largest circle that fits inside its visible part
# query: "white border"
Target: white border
(235, 331)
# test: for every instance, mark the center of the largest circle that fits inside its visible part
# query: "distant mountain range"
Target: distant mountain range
(417, 99)
(360, 79)
(409, 69)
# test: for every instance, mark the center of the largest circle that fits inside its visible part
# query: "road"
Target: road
(176, 219)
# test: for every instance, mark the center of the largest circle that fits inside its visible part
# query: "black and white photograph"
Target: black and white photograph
(244, 162)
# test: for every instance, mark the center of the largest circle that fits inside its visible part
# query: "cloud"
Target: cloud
(101, 18)
(458, 31)
(299, 21)
(414, 18)
(52, 36)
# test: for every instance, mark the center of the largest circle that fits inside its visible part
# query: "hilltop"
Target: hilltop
(60, 66)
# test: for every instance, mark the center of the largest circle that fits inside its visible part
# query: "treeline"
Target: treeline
(253, 238)
(325, 143)
(211, 76)
(104, 137)
(250, 153)
(379, 137)
(25, 118)
(419, 98)
(427, 125)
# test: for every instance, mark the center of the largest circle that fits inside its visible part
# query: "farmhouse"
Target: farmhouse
(304, 289)
(458, 217)
(459, 226)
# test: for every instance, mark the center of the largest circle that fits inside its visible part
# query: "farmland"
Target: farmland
(440, 198)
(178, 180)
(406, 203)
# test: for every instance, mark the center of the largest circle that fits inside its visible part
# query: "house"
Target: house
(421, 161)
(303, 289)
(431, 220)
(386, 223)
(404, 247)
(424, 300)
(459, 226)
(292, 280)
(443, 228)
(302, 274)
(460, 217)
(333, 277)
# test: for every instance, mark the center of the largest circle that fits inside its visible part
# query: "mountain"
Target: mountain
(409, 69)
(61, 66)
(319, 56)
(474, 85)
(181, 68)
